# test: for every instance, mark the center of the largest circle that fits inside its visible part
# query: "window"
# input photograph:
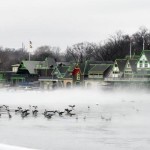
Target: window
(146, 64)
(141, 64)
(115, 65)
(78, 76)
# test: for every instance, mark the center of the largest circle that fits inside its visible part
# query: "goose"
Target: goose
(68, 110)
(25, 111)
(71, 114)
(49, 111)
(35, 107)
(48, 116)
(24, 114)
(34, 112)
(72, 106)
(18, 110)
(108, 119)
(60, 113)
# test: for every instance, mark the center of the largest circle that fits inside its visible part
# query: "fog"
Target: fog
(105, 119)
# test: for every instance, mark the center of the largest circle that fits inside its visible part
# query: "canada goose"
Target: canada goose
(35, 107)
(72, 106)
(25, 111)
(48, 116)
(68, 110)
(60, 113)
(24, 114)
(71, 114)
(17, 110)
(34, 112)
(108, 119)
(49, 111)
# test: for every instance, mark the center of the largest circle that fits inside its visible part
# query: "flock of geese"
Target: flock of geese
(33, 110)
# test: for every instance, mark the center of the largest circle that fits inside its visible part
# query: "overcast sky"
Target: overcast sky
(66, 22)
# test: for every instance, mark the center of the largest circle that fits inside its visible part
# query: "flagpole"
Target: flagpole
(29, 56)
(30, 48)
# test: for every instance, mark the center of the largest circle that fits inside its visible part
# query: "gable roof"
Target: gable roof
(31, 65)
(63, 69)
(101, 62)
(50, 61)
(147, 54)
(99, 68)
(133, 64)
(121, 64)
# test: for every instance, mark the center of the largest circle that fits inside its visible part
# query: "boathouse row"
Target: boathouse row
(49, 74)
(131, 70)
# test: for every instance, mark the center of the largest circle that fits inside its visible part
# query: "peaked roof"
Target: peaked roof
(147, 54)
(101, 62)
(121, 64)
(63, 63)
(50, 61)
(31, 65)
(63, 69)
(99, 68)
(133, 64)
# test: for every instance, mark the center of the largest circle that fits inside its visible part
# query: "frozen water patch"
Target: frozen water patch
(129, 127)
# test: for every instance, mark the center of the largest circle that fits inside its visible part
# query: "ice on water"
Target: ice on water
(108, 120)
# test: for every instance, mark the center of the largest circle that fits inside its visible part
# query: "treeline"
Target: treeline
(117, 46)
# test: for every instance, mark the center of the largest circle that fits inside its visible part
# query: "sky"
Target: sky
(66, 22)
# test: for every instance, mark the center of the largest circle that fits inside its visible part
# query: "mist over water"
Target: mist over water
(128, 128)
